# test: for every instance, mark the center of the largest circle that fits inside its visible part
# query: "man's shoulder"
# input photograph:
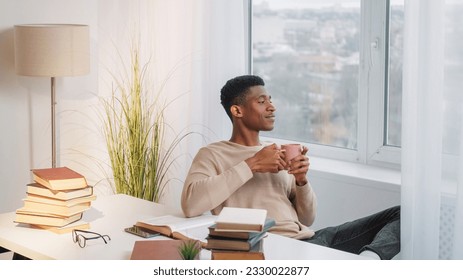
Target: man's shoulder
(227, 147)
(224, 148)
(213, 151)
(216, 146)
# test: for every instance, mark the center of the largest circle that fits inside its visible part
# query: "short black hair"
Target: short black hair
(235, 90)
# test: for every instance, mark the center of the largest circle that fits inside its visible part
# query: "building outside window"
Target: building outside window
(333, 68)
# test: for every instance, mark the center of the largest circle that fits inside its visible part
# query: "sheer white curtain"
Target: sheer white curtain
(198, 45)
(432, 129)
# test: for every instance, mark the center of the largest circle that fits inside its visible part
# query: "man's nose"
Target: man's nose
(271, 107)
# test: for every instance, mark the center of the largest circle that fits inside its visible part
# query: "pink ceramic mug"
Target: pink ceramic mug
(291, 151)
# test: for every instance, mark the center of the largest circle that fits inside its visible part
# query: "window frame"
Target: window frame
(372, 109)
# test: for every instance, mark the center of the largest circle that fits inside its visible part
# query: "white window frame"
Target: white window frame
(372, 94)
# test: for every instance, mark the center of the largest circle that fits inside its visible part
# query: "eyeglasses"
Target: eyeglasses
(78, 238)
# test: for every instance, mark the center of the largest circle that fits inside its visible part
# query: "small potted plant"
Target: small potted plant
(189, 250)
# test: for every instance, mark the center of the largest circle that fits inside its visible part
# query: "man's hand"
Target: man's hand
(269, 159)
(299, 166)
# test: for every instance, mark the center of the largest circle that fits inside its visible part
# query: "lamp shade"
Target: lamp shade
(52, 50)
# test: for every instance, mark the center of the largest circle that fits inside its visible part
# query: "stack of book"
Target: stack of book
(56, 200)
(238, 233)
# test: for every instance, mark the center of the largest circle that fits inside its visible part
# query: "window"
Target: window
(394, 89)
(333, 68)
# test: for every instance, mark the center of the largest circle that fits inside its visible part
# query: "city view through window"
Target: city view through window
(308, 53)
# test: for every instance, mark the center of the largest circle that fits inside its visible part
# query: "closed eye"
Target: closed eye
(264, 99)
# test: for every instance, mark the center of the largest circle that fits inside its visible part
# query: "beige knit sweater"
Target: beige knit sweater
(220, 177)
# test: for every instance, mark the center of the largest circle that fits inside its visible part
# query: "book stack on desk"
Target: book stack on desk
(238, 234)
(56, 200)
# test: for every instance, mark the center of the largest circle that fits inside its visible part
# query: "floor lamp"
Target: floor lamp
(52, 50)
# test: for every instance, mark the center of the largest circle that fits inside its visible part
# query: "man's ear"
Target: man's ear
(236, 111)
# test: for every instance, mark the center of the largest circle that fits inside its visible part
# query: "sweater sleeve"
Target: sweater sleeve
(305, 202)
(206, 186)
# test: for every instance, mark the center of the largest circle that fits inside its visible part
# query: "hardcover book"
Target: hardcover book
(48, 220)
(44, 208)
(156, 250)
(241, 219)
(240, 234)
(66, 203)
(224, 243)
(37, 189)
(236, 255)
(59, 178)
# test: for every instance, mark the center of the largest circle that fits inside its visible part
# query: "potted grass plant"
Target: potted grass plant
(189, 250)
(134, 130)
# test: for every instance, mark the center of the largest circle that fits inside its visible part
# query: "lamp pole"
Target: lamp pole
(53, 123)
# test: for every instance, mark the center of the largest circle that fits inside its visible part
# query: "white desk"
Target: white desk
(110, 215)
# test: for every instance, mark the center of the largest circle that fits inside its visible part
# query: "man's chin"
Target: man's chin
(267, 129)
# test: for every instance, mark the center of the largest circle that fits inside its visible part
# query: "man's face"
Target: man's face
(258, 111)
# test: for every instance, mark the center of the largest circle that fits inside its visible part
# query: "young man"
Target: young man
(244, 172)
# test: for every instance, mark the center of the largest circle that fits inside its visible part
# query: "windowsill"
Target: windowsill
(370, 176)
(355, 173)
